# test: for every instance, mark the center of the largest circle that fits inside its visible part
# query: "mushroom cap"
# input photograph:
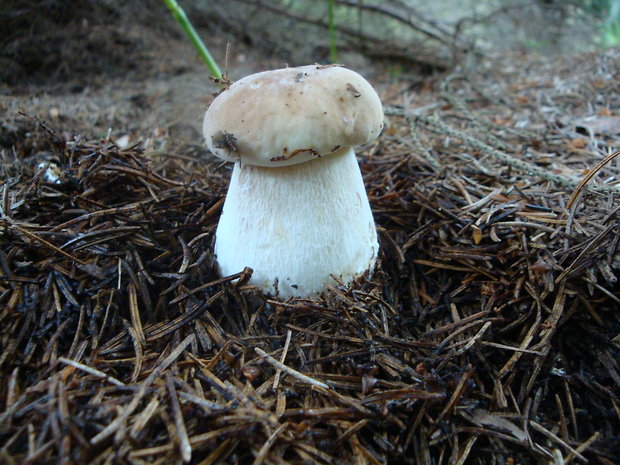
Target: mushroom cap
(292, 115)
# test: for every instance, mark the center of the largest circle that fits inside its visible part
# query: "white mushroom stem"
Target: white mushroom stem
(298, 225)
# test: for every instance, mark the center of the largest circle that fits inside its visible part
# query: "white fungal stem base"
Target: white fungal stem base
(298, 225)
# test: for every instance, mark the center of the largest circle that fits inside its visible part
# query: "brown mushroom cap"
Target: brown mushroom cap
(292, 115)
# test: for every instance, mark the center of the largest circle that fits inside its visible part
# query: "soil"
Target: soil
(489, 334)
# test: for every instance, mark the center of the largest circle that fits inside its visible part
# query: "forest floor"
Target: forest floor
(489, 334)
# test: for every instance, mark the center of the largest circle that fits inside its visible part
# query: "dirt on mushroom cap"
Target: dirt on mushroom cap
(305, 111)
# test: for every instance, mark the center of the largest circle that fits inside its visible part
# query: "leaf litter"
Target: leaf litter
(489, 334)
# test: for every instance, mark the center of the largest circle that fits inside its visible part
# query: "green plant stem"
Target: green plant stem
(203, 51)
(333, 50)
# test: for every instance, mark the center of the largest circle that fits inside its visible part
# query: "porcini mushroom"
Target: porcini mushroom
(296, 211)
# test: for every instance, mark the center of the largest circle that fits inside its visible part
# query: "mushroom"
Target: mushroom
(296, 211)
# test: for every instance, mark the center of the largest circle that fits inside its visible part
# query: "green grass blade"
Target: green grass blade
(203, 51)
(333, 50)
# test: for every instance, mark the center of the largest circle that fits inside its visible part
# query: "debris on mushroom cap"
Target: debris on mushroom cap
(292, 115)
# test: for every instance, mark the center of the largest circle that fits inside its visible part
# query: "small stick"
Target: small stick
(505, 347)
(276, 380)
(184, 445)
(135, 313)
(43, 241)
(143, 418)
(290, 371)
(262, 454)
(120, 420)
(555, 438)
(90, 370)
(582, 447)
(467, 449)
(207, 405)
(589, 176)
